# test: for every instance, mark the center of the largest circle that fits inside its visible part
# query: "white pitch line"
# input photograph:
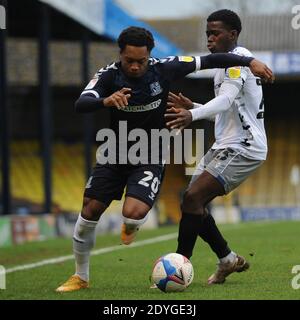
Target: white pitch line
(93, 253)
(115, 248)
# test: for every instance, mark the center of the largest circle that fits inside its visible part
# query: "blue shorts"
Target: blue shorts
(108, 181)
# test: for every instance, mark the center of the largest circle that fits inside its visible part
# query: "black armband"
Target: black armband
(224, 60)
(87, 103)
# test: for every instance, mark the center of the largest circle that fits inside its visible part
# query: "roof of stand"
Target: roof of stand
(104, 18)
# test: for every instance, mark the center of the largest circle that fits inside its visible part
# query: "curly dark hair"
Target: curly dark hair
(228, 17)
(136, 36)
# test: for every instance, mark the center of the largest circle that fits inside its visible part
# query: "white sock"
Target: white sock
(133, 223)
(229, 258)
(83, 242)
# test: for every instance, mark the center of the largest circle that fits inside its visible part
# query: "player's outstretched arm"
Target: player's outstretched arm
(177, 117)
(226, 60)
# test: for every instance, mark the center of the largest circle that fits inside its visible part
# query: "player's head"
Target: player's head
(135, 45)
(223, 29)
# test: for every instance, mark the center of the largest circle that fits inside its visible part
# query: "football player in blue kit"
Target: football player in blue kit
(135, 89)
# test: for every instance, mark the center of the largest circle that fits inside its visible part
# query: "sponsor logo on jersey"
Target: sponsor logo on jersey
(141, 108)
(155, 88)
(234, 72)
(185, 58)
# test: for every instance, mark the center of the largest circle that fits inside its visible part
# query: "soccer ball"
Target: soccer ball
(172, 272)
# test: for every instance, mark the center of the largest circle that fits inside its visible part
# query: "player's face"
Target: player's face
(219, 39)
(134, 61)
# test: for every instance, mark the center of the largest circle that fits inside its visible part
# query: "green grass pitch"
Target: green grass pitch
(272, 248)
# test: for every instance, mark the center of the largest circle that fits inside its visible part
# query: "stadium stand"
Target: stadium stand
(269, 186)
(68, 176)
(69, 180)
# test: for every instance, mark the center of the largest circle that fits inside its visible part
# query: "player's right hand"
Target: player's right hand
(118, 99)
(178, 118)
(179, 101)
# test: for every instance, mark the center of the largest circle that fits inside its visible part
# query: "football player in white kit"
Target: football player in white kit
(239, 149)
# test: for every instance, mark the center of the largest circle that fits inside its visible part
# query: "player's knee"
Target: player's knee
(134, 212)
(192, 202)
(92, 209)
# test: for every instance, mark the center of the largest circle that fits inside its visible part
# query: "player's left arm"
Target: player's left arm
(175, 67)
(179, 66)
(228, 92)
(179, 118)
(227, 60)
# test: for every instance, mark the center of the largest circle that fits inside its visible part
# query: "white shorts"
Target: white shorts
(228, 166)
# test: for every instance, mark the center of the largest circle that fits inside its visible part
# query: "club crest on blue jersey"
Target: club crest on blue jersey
(155, 88)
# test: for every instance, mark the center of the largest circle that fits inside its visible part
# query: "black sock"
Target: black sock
(189, 227)
(210, 233)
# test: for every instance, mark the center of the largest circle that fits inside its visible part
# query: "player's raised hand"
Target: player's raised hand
(261, 70)
(177, 118)
(118, 99)
(179, 101)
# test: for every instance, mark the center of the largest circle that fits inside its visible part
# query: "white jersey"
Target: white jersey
(242, 125)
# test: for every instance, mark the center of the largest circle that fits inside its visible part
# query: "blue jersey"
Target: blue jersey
(148, 98)
(149, 93)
